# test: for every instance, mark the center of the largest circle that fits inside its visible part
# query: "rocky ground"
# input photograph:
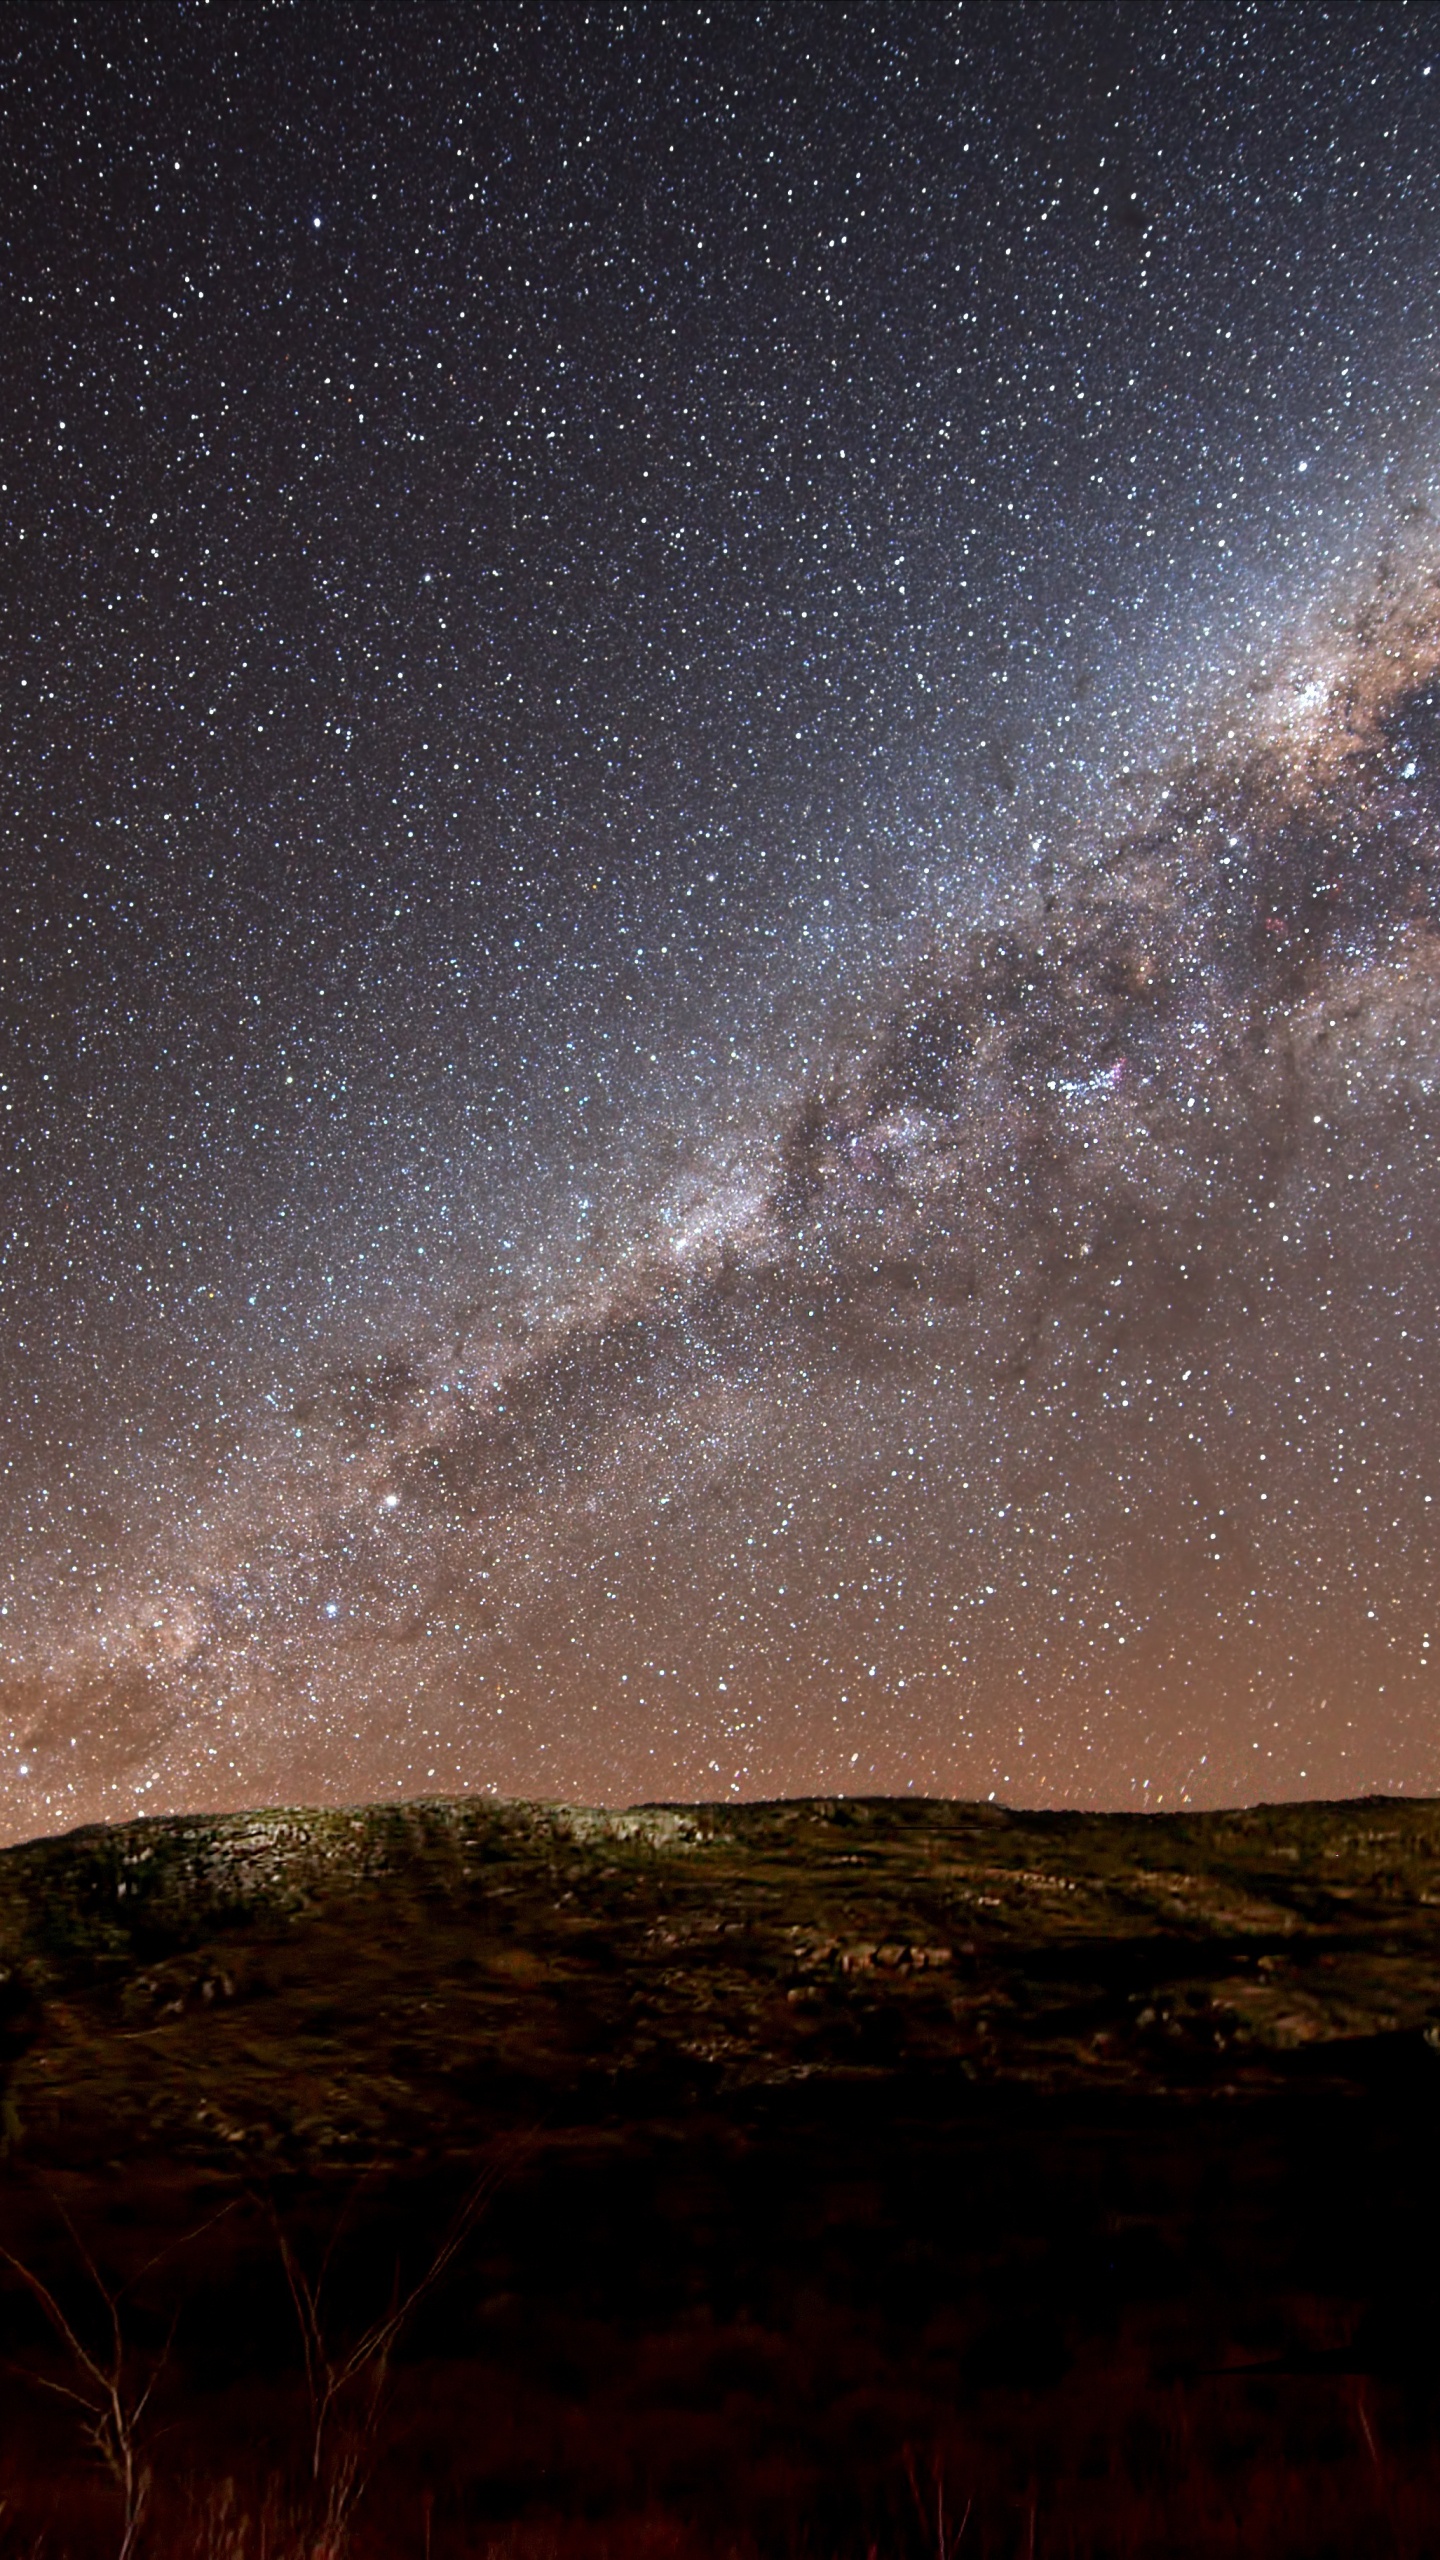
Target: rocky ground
(763, 2176)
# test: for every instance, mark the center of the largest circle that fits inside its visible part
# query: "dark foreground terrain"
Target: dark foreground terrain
(804, 2179)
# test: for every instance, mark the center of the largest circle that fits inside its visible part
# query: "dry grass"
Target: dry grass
(1146, 2501)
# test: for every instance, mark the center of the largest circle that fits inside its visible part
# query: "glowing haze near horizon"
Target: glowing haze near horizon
(721, 946)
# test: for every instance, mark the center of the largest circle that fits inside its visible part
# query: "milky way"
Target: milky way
(724, 988)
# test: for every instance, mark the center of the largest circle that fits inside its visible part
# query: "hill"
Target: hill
(747, 2166)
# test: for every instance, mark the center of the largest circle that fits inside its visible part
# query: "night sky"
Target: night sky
(720, 945)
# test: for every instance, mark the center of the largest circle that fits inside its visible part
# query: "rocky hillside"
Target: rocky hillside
(299, 1985)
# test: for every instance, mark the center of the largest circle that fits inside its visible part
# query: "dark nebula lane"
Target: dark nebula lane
(809, 1179)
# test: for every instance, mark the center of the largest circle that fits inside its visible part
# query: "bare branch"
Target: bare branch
(113, 2405)
(360, 2370)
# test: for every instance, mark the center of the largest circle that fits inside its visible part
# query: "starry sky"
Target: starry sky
(720, 942)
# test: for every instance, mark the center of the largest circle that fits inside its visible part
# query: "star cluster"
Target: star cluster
(720, 1004)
